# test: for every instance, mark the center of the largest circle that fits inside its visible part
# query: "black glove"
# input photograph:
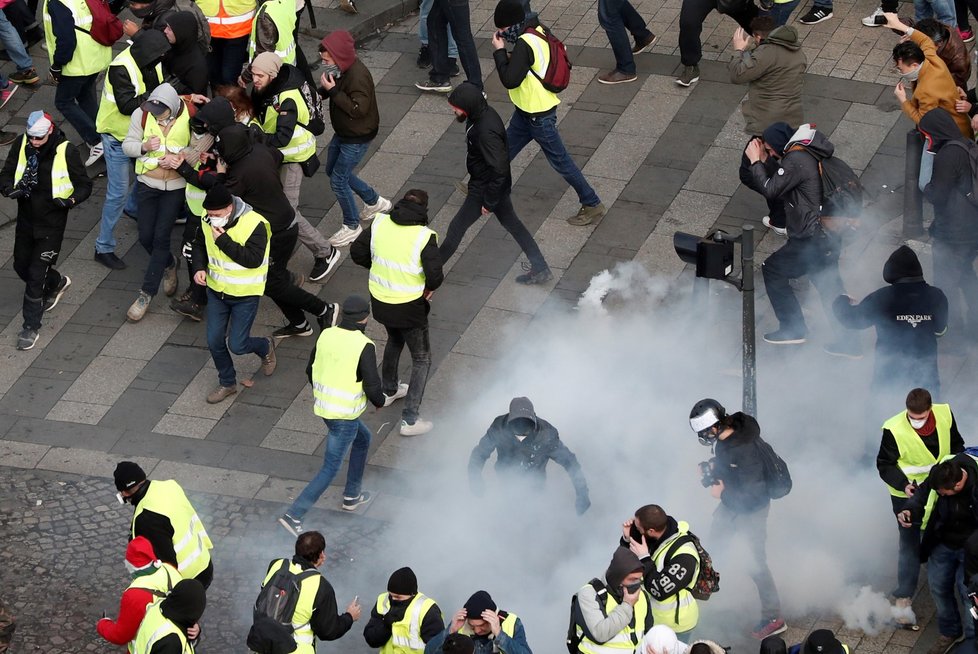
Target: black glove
(582, 504)
(15, 194)
(64, 203)
(388, 619)
(55, 74)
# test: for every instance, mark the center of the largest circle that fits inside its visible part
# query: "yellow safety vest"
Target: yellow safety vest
(308, 588)
(190, 540)
(159, 582)
(406, 632)
(155, 628)
(625, 640)
(282, 13)
(228, 19)
(915, 459)
(530, 96)
(110, 120)
(89, 57)
(177, 137)
(932, 497)
(680, 612)
(337, 393)
(224, 275)
(396, 275)
(195, 199)
(303, 143)
(61, 186)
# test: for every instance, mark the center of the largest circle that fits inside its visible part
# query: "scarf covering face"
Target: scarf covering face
(29, 180)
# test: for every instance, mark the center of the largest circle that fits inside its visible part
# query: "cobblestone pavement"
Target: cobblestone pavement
(97, 389)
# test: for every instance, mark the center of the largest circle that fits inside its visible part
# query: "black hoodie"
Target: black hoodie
(414, 313)
(954, 517)
(739, 466)
(908, 314)
(216, 115)
(38, 214)
(487, 154)
(184, 607)
(185, 65)
(955, 216)
(147, 49)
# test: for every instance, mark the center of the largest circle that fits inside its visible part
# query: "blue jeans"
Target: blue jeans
(543, 129)
(341, 435)
(780, 12)
(76, 99)
(234, 317)
(423, 30)
(942, 10)
(14, 44)
(618, 17)
(454, 14)
(341, 159)
(945, 574)
(118, 168)
(225, 60)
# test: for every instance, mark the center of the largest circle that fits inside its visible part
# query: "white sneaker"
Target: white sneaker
(419, 427)
(875, 19)
(95, 153)
(401, 391)
(780, 231)
(345, 236)
(383, 205)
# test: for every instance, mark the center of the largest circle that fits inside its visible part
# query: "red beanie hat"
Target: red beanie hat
(140, 553)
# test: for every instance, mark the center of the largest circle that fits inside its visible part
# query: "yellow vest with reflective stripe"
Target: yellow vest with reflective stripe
(396, 275)
(689, 611)
(228, 19)
(932, 497)
(282, 13)
(303, 143)
(176, 138)
(159, 582)
(190, 540)
(915, 459)
(155, 628)
(89, 57)
(110, 120)
(337, 393)
(530, 96)
(406, 632)
(61, 186)
(224, 275)
(309, 587)
(195, 198)
(625, 640)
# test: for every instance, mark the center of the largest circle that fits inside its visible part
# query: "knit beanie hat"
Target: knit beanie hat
(268, 63)
(822, 641)
(139, 553)
(479, 602)
(403, 582)
(777, 136)
(218, 197)
(127, 474)
(509, 12)
(356, 307)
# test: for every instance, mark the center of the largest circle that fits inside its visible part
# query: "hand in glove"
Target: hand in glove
(55, 74)
(582, 504)
(65, 203)
(14, 194)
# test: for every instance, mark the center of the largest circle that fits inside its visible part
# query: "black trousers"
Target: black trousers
(691, 17)
(775, 208)
(34, 259)
(289, 298)
(198, 293)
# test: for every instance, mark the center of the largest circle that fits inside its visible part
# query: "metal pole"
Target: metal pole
(747, 290)
(913, 201)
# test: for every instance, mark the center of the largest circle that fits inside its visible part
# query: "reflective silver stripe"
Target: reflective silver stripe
(916, 470)
(231, 20)
(395, 287)
(344, 409)
(193, 556)
(156, 635)
(343, 395)
(288, 50)
(414, 631)
(237, 281)
(541, 51)
(308, 141)
(410, 268)
(671, 605)
(226, 265)
(194, 193)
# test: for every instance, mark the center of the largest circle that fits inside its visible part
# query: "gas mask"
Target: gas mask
(917, 424)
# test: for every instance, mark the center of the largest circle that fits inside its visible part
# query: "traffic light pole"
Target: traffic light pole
(749, 337)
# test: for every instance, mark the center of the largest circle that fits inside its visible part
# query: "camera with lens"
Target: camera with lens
(707, 477)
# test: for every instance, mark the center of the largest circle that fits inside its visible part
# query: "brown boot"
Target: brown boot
(221, 393)
(268, 361)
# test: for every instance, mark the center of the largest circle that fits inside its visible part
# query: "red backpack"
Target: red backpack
(557, 76)
(106, 26)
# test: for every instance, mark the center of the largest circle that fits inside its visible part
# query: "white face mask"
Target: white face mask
(119, 497)
(917, 424)
(219, 221)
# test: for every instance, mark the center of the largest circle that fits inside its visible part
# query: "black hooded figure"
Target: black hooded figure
(953, 231)
(908, 315)
(185, 65)
(490, 183)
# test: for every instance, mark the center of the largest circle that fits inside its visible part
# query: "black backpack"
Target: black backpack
(842, 192)
(317, 115)
(708, 579)
(972, 148)
(577, 619)
(776, 472)
(271, 632)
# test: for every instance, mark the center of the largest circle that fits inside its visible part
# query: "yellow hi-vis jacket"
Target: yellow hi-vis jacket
(89, 57)
(406, 632)
(531, 96)
(337, 393)
(626, 640)
(190, 540)
(61, 186)
(396, 275)
(110, 120)
(224, 275)
(915, 459)
(680, 612)
(154, 628)
(303, 143)
(282, 13)
(177, 135)
(305, 639)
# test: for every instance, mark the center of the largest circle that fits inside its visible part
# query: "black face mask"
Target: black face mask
(461, 118)
(631, 588)
(143, 12)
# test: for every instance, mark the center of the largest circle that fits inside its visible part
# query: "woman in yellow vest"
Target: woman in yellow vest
(164, 629)
(403, 620)
(343, 373)
(44, 173)
(231, 258)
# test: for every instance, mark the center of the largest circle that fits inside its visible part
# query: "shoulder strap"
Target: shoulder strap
(679, 542)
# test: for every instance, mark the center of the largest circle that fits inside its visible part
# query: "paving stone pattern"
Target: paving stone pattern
(97, 389)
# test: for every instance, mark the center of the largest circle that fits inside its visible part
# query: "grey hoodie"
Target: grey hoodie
(161, 179)
(601, 628)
